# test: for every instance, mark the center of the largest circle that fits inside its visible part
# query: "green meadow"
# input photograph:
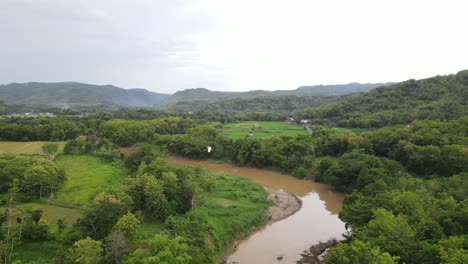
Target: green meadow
(260, 129)
(87, 176)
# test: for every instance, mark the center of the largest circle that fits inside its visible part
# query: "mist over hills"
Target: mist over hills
(70, 94)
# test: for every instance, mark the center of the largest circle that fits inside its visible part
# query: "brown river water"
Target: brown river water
(316, 221)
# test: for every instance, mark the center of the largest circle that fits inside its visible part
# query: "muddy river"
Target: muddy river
(317, 220)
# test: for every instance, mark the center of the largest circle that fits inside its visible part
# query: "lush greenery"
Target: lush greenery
(441, 97)
(30, 147)
(261, 129)
(197, 214)
(45, 128)
(407, 188)
(242, 106)
(405, 180)
(87, 176)
(127, 132)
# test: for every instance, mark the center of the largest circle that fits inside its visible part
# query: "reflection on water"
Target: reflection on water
(316, 221)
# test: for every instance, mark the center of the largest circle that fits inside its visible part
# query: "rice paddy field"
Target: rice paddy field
(261, 129)
(30, 147)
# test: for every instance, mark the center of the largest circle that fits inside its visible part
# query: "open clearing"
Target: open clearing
(30, 147)
(87, 176)
(50, 213)
(261, 129)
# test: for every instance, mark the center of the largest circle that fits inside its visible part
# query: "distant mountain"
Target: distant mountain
(439, 98)
(69, 94)
(74, 94)
(202, 94)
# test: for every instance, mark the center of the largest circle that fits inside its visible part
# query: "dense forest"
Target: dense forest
(286, 105)
(441, 97)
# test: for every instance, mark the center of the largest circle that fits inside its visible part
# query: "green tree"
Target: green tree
(162, 250)
(452, 251)
(390, 233)
(359, 252)
(41, 177)
(87, 251)
(128, 225)
(36, 216)
(108, 208)
(147, 195)
(50, 149)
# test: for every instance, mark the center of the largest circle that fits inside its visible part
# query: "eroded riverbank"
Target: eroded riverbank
(283, 241)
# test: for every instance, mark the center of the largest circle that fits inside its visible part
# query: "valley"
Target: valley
(374, 177)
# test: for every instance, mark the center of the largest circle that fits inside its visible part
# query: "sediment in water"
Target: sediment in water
(284, 205)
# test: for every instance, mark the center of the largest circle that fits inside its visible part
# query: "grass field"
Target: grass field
(261, 129)
(234, 206)
(30, 147)
(51, 213)
(87, 176)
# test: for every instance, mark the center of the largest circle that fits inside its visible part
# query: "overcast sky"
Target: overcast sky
(171, 45)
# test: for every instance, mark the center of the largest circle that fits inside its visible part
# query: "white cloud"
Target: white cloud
(230, 45)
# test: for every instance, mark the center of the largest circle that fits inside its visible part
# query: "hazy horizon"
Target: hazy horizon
(167, 46)
(213, 90)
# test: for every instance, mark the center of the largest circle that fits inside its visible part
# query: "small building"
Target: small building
(289, 121)
(305, 122)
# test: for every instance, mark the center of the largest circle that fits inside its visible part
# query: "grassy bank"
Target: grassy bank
(87, 176)
(235, 206)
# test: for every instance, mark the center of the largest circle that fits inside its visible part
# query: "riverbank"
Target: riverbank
(274, 241)
(317, 253)
(284, 204)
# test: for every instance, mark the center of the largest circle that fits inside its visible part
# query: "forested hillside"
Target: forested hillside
(278, 104)
(202, 94)
(70, 94)
(80, 96)
(440, 97)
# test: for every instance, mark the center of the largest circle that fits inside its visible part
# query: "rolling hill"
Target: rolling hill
(74, 95)
(272, 104)
(203, 94)
(439, 97)
(69, 94)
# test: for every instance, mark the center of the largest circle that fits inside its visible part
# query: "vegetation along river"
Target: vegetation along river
(285, 240)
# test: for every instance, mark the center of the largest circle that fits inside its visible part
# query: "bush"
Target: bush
(36, 232)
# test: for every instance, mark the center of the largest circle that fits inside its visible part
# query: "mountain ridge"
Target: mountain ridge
(69, 94)
(204, 94)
